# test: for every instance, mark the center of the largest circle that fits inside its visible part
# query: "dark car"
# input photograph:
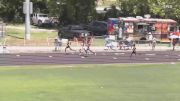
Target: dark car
(98, 28)
(72, 31)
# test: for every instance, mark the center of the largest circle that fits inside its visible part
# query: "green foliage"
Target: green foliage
(73, 11)
(83, 11)
(157, 8)
(12, 10)
(112, 13)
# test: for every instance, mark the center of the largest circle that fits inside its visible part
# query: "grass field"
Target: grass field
(141, 82)
(15, 36)
(39, 37)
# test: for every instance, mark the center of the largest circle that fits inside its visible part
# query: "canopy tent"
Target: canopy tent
(175, 35)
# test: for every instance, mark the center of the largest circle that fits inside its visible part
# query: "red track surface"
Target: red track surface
(100, 58)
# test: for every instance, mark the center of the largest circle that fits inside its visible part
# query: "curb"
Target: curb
(26, 49)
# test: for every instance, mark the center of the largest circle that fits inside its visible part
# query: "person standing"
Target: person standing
(57, 44)
(174, 43)
(153, 43)
(150, 38)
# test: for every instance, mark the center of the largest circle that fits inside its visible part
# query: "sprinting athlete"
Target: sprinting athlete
(133, 50)
(68, 46)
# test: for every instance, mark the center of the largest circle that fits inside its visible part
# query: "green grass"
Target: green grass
(90, 83)
(16, 36)
(36, 35)
(99, 42)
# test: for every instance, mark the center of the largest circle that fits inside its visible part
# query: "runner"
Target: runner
(89, 50)
(68, 46)
(82, 49)
(133, 50)
(88, 41)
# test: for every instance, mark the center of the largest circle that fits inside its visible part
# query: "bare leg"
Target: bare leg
(65, 49)
(55, 48)
(71, 49)
(92, 52)
(131, 54)
(173, 47)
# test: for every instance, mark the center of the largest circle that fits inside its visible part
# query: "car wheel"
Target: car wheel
(39, 23)
(31, 21)
(55, 24)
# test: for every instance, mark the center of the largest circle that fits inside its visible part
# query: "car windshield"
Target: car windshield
(43, 15)
(76, 28)
(104, 24)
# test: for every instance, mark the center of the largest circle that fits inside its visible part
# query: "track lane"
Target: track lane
(100, 58)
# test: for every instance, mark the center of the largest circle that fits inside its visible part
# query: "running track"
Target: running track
(100, 58)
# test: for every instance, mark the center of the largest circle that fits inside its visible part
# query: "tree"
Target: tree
(112, 13)
(73, 11)
(134, 7)
(165, 8)
(12, 10)
(157, 8)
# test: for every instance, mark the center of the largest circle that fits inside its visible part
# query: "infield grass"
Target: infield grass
(140, 82)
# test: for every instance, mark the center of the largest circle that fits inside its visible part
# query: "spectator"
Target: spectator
(150, 38)
(57, 44)
(174, 43)
(153, 43)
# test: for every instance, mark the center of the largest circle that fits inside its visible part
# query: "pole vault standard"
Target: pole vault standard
(27, 10)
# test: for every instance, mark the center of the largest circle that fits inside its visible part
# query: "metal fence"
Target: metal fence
(2, 33)
(2, 29)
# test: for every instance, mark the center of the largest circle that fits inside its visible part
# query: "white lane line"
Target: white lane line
(69, 66)
(18, 55)
(119, 53)
(116, 53)
(50, 56)
(114, 58)
(147, 59)
(122, 53)
(173, 63)
(82, 57)
(150, 54)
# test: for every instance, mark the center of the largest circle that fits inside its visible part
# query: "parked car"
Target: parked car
(98, 28)
(72, 31)
(40, 19)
